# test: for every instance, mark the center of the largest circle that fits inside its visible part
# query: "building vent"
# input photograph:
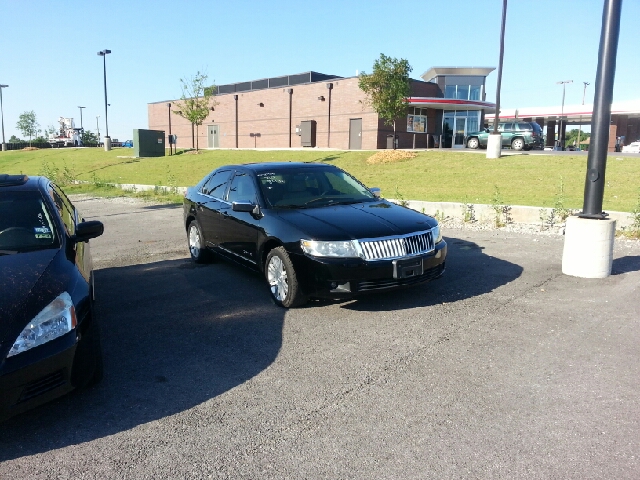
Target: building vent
(260, 84)
(243, 87)
(226, 88)
(300, 78)
(278, 81)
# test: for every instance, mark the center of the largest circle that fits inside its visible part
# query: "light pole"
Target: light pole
(98, 128)
(4, 145)
(329, 87)
(81, 117)
(561, 132)
(494, 142)
(584, 91)
(169, 105)
(589, 237)
(107, 139)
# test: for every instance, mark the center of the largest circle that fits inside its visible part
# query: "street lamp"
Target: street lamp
(81, 117)
(494, 142)
(107, 139)
(561, 132)
(170, 148)
(4, 145)
(98, 128)
(584, 91)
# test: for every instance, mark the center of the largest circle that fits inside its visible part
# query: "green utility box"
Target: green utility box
(148, 143)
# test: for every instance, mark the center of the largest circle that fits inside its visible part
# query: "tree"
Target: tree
(196, 100)
(28, 124)
(89, 138)
(51, 130)
(572, 136)
(387, 88)
(15, 139)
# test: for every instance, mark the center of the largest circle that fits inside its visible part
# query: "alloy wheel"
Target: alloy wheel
(277, 277)
(194, 241)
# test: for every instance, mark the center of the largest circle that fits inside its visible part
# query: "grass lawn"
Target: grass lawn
(432, 176)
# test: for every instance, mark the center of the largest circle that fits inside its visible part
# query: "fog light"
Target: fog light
(333, 285)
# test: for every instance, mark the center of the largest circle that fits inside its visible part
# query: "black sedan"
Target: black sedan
(49, 339)
(312, 229)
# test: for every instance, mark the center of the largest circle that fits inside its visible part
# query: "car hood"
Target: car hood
(22, 277)
(357, 221)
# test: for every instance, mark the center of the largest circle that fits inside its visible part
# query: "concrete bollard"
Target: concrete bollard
(107, 144)
(494, 146)
(588, 247)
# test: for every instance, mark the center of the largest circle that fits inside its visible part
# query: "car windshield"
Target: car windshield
(25, 223)
(311, 187)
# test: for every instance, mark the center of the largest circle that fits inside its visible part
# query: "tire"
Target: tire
(283, 282)
(473, 143)
(98, 370)
(517, 144)
(198, 251)
(88, 354)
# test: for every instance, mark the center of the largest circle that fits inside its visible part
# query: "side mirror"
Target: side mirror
(375, 191)
(88, 230)
(243, 207)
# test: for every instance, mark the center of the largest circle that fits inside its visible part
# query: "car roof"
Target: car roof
(20, 182)
(266, 166)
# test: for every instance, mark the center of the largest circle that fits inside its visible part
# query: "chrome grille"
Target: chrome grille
(397, 247)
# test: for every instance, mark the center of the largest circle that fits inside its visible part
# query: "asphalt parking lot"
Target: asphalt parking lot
(503, 368)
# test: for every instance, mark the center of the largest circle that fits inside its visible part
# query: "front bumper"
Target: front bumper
(37, 376)
(340, 278)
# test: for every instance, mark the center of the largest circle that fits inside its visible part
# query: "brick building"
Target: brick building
(318, 110)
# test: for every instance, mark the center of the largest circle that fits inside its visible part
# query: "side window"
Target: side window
(524, 127)
(242, 189)
(65, 209)
(508, 126)
(217, 184)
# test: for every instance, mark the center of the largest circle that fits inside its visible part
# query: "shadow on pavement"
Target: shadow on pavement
(625, 265)
(163, 206)
(469, 273)
(174, 334)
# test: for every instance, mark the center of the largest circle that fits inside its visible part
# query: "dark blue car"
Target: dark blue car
(49, 338)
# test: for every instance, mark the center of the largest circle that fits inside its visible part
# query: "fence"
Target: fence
(20, 146)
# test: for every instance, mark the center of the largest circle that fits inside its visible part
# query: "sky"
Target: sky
(48, 50)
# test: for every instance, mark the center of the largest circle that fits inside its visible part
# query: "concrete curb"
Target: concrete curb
(134, 187)
(483, 213)
(486, 214)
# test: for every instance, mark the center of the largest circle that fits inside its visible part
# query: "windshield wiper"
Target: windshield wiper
(330, 201)
(288, 206)
(8, 252)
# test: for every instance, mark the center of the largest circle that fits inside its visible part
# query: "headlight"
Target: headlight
(56, 319)
(330, 249)
(437, 234)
